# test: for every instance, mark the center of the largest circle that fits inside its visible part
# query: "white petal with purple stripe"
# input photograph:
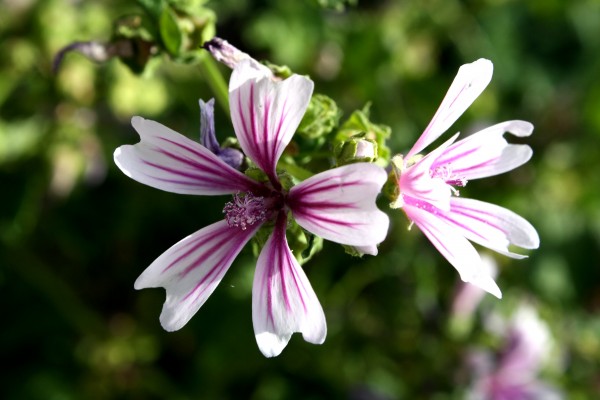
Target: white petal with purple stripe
(166, 160)
(339, 205)
(454, 247)
(266, 113)
(487, 153)
(491, 226)
(191, 270)
(468, 84)
(283, 301)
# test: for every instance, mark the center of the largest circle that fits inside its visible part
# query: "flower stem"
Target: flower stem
(215, 80)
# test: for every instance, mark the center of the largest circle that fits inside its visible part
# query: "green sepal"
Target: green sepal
(390, 189)
(287, 181)
(260, 238)
(256, 173)
(231, 142)
(352, 251)
(280, 71)
(303, 245)
(322, 116)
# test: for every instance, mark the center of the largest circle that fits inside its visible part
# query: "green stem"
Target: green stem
(215, 80)
(294, 170)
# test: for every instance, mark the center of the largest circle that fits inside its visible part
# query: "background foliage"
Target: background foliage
(75, 232)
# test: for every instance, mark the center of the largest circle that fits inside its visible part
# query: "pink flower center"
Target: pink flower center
(247, 209)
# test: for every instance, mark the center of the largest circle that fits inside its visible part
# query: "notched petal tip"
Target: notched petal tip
(171, 321)
(191, 270)
(480, 72)
(283, 301)
(270, 344)
(137, 122)
(265, 114)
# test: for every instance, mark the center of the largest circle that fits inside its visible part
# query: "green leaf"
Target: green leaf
(153, 7)
(170, 33)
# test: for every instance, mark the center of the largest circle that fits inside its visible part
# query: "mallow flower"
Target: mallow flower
(427, 185)
(514, 372)
(338, 205)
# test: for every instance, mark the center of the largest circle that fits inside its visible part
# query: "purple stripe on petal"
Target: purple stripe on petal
(267, 149)
(283, 301)
(327, 223)
(339, 205)
(464, 227)
(454, 157)
(468, 84)
(486, 163)
(275, 110)
(474, 232)
(251, 101)
(499, 226)
(169, 161)
(191, 270)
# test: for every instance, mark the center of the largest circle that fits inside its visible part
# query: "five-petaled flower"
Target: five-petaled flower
(426, 185)
(338, 205)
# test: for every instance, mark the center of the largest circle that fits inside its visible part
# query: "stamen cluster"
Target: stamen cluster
(445, 173)
(245, 210)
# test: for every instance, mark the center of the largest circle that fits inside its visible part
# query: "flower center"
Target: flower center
(245, 210)
(445, 173)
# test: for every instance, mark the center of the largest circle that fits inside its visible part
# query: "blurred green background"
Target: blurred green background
(75, 232)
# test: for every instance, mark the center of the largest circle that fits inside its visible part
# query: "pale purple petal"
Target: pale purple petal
(166, 160)
(493, 387)
(454, 247)
(266, 113)
(208, 137)
(416, 181)
(468, 84)
(487, 153)
(339, 205)
(283, 301)
(491, 226)
(528, 344)
(229, 55)
(191, 270)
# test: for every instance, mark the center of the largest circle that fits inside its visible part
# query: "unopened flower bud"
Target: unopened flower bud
(356, 149)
